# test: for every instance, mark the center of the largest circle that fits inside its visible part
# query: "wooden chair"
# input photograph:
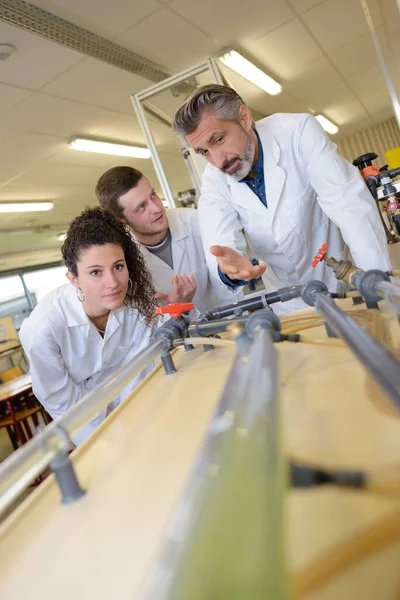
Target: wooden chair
(10, 374)
(15, 413)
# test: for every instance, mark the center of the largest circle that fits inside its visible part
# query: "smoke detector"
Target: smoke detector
(6, 50)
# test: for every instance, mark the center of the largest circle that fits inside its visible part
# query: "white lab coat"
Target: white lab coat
(68, 357)
(314, 196)
(188, 257)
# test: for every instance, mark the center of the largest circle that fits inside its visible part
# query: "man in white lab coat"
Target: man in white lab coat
(275, 191)
(170, 240)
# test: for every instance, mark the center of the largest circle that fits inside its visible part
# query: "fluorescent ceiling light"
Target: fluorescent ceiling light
(327, 124)
(62, 237)
(99, 147)
(25, 207)
(246, 69)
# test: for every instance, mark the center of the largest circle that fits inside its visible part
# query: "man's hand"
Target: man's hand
(236, 266)
(183, 290)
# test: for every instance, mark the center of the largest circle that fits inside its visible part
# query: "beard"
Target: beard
(243, 163)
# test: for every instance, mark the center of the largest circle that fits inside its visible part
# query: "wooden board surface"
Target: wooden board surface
(136, 465)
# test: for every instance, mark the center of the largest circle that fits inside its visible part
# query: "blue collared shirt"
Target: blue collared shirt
(257, 185)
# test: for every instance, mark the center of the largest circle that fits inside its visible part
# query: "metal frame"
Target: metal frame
(141, 105)
(389, 82)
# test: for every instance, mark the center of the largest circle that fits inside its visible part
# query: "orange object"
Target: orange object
(175, 309)
(370, 170)
(320, 256)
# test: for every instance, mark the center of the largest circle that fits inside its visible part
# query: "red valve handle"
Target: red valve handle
(175, 309)
(320, 256)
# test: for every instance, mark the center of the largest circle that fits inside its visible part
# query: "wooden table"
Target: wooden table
(16, 386)
(136, 464)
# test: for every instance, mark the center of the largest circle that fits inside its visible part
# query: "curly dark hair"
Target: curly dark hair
(98, 226)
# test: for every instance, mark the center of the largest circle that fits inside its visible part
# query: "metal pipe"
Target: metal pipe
(378, 361)
(167, 192)
(226, 539)
(156, 112)
(213, 327)
(389, 82)
(261, 301)
(23, 466)
(173, 80)
(213, 66)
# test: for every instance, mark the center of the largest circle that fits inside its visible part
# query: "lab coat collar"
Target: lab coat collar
(178, 235)
(274, 178)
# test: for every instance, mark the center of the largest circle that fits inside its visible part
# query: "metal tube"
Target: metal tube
(173, 80)
(261, 301)
(213, 66)
(156, 112)
(23, 466)
(389, 82)
(226, 540)
(378, 361)
(167, 192)
(213, 327)
(389, 291)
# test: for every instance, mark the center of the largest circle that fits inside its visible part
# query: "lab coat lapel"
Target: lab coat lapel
(274, 175)
(274, 179)
(178, 235)
(152, 260)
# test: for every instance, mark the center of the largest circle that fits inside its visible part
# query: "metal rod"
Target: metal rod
(156, 112)
(25, 464)
(173, 80)
(213, 327)
(378, 361)
(389, 83)
(167, 192)
(226, 540)
(261, 301)
(213, 66)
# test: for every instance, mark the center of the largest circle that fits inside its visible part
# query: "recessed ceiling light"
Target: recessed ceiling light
(100, 147)
(246, 69)
(17, 207)
(327, 124)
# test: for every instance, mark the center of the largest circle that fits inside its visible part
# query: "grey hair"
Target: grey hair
(222, 100)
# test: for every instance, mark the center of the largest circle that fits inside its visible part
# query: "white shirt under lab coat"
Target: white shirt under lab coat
(68, 357)
(313, 194)
(188, 257)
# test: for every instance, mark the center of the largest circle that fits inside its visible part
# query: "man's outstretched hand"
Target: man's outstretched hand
(183, 290)
(236, 266)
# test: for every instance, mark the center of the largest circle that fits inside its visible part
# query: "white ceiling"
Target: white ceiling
(319, 50)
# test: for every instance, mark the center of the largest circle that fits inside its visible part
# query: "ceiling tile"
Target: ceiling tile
(36, 62)
(367, 81)
(97, 83)
(234, 22)
(49, 174)
(336, 22)
(64, 118)
(345, 111)
(20, 151)
(318, 86)
(301, 6)
(259, 100)
(163, 37)
(286, 51)
(355, 56)
(106, 18)
(10, 96)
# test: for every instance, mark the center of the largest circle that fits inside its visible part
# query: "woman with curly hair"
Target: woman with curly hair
(81, 332)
